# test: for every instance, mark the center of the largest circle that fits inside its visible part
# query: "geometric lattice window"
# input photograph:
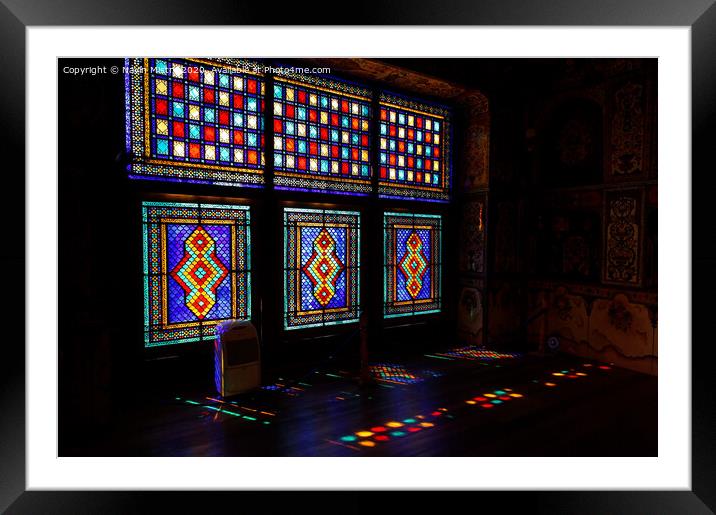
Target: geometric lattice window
(321, 136)
(196, 269)
(195, 120)
(412, 264)
(414, 150)
(321, 270)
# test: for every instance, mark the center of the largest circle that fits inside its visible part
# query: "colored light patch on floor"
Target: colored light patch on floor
(394, 429)
(495, 398)
(230, 409)
(476, 353)
(399, 374)
(291, 391)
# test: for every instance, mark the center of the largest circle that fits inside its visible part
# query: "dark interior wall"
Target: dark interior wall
(573, 196)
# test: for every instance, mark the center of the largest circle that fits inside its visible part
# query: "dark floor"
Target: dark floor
(588, 409)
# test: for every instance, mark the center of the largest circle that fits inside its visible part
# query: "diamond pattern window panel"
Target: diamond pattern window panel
(321, 270)
(195, 120)
(196, 269)
(412, 264)
(321, 136)
(414, 156)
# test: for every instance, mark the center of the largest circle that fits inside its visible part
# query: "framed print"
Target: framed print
(448, 251)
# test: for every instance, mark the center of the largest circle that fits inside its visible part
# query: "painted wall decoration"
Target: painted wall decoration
(196, 269)
(572, 149)
(321, 135)
(598, 323)
(321, 269)
(472, 237)
(622, 256)
(622, 327)
(412, 264)
(627, 130)
(477, 154)
(195, 120)
(470, 316)
(415, 149)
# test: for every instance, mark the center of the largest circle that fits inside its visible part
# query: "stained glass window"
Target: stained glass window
(321, 136)
(321, 268)
(412, 264)
(195, 120)
(196, 269)
(414, 150)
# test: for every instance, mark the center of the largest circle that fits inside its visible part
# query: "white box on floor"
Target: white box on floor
(237, 358)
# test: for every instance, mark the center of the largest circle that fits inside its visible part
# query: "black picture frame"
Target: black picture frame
(700, 15)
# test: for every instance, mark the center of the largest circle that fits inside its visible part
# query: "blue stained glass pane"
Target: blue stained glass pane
(412, 271)
(161, 67)
(196, 262)
(162, 147)
(322, 267)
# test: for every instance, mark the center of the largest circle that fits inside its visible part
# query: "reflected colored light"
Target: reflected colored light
(487, 405)
(504, 398)
(581, 374)
(394, 424)
(500, 392)
(393, 373)
(349, 438)
(572, 376)
(414, 429)
(516, 395)
(410, 421)
(366, 443)
(491, 395)
(587, 364)
(427, 424)
(378, 429)
(496, 401)
(557, 374)
(382, 438)
(480, 399)
(436, 413)
(476, 353)
(364, 434)
(397, 433)
(604, 367)
(550, 384)
(471, 402)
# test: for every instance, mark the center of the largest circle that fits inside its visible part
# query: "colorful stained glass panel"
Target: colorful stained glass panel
(321, 136)
(195, 120)
(414, 151)
(321, 268)
(196, 270)
(412, 264)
